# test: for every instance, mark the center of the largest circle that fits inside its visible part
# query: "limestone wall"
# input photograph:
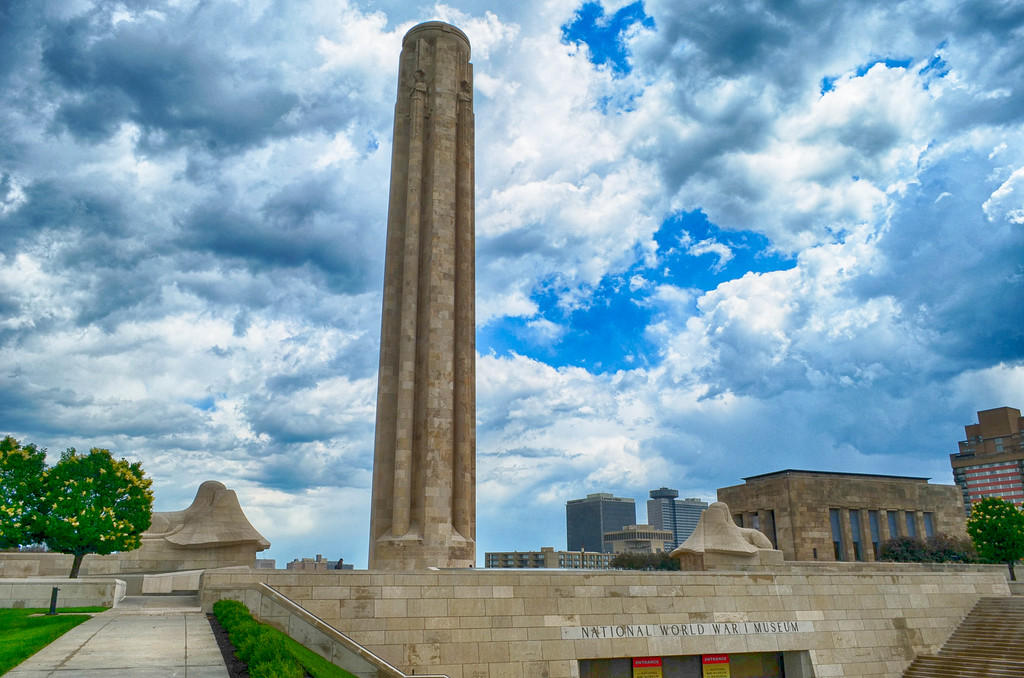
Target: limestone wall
(270, 607)
(537, 624)
(155, 559)
(28, 593)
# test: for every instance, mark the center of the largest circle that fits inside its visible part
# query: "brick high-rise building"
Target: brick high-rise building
(990, 462)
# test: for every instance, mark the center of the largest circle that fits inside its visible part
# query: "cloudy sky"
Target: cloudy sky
(714, 239)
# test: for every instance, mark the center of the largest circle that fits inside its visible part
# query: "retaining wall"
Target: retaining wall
(868, 622)
(36, 592)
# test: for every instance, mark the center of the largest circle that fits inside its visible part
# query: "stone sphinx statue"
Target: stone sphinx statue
(212, 532)
(717, 543)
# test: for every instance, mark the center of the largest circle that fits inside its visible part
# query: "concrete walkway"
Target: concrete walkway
(143, 637)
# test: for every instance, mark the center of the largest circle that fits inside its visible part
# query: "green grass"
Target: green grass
(317, 666)
(21, 635)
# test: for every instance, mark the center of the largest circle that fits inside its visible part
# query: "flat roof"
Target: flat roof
(832, 473)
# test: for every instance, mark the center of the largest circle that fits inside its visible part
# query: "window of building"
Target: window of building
(873, 525)
(837, 539)
(891, 515)
(858, 552)
(769, 528)
(911, 527)
(929, 525)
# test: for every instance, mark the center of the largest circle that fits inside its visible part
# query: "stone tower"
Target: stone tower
(424, 460)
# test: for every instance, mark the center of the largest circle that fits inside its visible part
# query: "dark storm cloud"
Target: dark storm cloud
(17, 21)
(52, 205)
(165, 79)
(952, 268)
(300, 469)
(294, 238)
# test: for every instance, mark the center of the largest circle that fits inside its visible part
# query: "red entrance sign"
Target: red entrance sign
(647, 667)
(715, 665)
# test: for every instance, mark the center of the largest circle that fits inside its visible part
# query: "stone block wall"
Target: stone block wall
(866, 622)
(155, 558)
(28, 593)
(797, 503)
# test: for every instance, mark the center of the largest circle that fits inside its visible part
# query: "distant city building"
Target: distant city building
(820, 515)
(586, 520)
(666, 512)
(318, 563)
(638, 539)
(549, 558)
(266, 564)
(991, 461)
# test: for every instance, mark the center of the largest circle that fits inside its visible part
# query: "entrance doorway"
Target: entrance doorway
(744, 665)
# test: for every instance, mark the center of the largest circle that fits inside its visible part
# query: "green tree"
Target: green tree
(92, 503)
(997, 529)
(21, 475)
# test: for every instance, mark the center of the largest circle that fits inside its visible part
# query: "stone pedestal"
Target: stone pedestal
(424, 470)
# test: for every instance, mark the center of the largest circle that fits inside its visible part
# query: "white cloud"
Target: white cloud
(192, 245)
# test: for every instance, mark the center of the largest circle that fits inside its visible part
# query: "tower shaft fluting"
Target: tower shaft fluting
(424, 468)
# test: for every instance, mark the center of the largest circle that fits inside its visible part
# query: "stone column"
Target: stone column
(424, 464)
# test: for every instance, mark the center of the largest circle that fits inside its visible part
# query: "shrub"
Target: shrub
(279, 667)
(903, 550)
(228, 611)
(268, 652)
(939, 548)
(944, 548)
(260, 646)
(263, 645)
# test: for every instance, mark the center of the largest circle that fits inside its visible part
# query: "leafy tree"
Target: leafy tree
(21, 475)
(92, 503)
(997, 530)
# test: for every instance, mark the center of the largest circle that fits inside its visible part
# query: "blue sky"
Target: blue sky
(710, 244)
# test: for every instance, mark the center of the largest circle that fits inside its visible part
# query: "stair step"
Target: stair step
(988, 643)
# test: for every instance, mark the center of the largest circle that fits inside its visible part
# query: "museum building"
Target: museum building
(826, 516)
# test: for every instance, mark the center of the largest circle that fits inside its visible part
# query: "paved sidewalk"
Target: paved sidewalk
(143, 637)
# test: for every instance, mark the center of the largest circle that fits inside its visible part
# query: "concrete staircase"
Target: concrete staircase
(989, 643)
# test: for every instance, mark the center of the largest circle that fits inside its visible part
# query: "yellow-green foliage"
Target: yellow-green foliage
(997, 529)
(21, 473)
(93, 503)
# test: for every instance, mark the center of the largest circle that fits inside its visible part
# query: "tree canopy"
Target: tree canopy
(93, 503)
(21, 478)
(997, 529)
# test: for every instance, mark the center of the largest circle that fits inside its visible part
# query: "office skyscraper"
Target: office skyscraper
(680, 516)
(586, 520)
